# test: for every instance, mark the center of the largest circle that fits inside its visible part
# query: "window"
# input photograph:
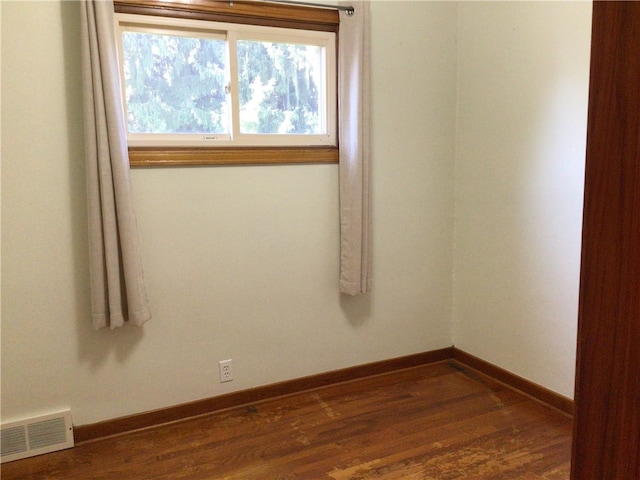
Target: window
(244, 90)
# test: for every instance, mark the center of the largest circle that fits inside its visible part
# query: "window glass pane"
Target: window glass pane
(174, 84)
(280, 87)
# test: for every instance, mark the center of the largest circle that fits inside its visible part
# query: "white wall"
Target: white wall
(241, 262)
(522, 101)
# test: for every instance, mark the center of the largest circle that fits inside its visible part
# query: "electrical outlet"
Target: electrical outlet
(226, 371)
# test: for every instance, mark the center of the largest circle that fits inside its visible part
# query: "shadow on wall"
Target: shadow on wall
(356, 308)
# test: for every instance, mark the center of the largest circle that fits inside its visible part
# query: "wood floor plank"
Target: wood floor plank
(430, 422)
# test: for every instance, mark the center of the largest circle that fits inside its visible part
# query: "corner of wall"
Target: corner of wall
(453, 312)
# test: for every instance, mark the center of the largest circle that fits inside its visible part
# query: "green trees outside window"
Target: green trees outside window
(179, 84)
(175, 84)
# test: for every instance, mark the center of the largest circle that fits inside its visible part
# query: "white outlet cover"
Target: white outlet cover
(226, 371)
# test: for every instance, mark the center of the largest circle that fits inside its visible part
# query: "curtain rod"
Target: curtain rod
(348, 9)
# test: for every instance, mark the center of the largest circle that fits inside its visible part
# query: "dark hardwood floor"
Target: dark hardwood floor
(440, 422)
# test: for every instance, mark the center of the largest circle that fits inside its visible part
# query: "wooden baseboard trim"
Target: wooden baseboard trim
(533, 390)
(117, 426)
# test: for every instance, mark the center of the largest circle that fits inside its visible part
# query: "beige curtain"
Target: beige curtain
(355, 183)
(117, 285)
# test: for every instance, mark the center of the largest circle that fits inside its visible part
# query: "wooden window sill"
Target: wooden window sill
(172, 157)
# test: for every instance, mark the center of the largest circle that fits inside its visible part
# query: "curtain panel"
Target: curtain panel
(354, 138)
(117, 284)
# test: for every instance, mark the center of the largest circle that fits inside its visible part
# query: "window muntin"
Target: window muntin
(208, 90)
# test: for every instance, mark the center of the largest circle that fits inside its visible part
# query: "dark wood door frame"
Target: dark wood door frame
(606, 442)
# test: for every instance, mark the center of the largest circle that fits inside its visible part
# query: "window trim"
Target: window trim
(254, 12)
(244, 12)
(193, 156)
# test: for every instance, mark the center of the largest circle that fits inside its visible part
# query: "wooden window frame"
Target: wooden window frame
(245, 12)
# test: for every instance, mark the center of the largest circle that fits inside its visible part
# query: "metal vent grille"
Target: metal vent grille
(13, 440)
(47, 433)
(36, 436)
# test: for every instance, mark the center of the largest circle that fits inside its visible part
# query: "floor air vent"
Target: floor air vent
(36, 436)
